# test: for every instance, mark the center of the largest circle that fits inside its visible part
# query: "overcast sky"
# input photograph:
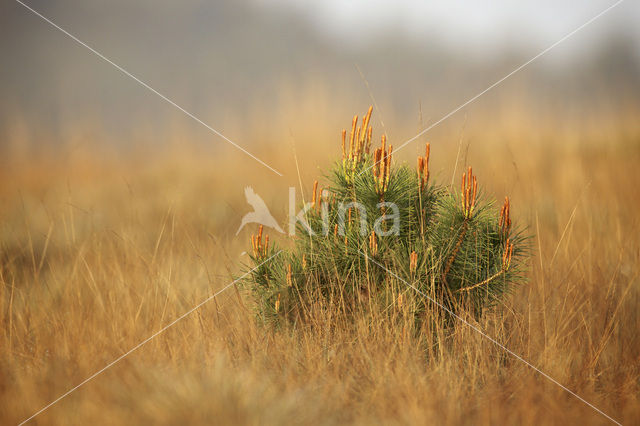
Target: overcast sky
(486, 26)
(219, 58)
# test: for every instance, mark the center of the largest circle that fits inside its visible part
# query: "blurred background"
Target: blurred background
(118, 212)
(263, 71)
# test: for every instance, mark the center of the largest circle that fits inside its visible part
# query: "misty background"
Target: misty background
(231, 62)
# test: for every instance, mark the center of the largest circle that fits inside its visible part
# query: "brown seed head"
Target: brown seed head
(315, 190)
(289, 276)
(319, 199)
(388, 166)
(505, 219)
(426, 161)
(373, 243)
(475, 192)
(469, 190)
(352, 135)
(506, 254)
(413, 261)
(365, 125)
(376, 165)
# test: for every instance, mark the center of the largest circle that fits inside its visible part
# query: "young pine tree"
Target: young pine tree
(378, 232)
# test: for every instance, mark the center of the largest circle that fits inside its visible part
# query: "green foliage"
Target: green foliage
(453, 248)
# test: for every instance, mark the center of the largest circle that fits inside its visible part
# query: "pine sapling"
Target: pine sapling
(375, 221)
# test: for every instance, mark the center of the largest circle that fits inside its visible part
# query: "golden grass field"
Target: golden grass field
(99, 249)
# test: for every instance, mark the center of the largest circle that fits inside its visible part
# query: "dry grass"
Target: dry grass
(97, 253)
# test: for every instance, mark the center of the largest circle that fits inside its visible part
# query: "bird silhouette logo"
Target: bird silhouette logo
(260, 214)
